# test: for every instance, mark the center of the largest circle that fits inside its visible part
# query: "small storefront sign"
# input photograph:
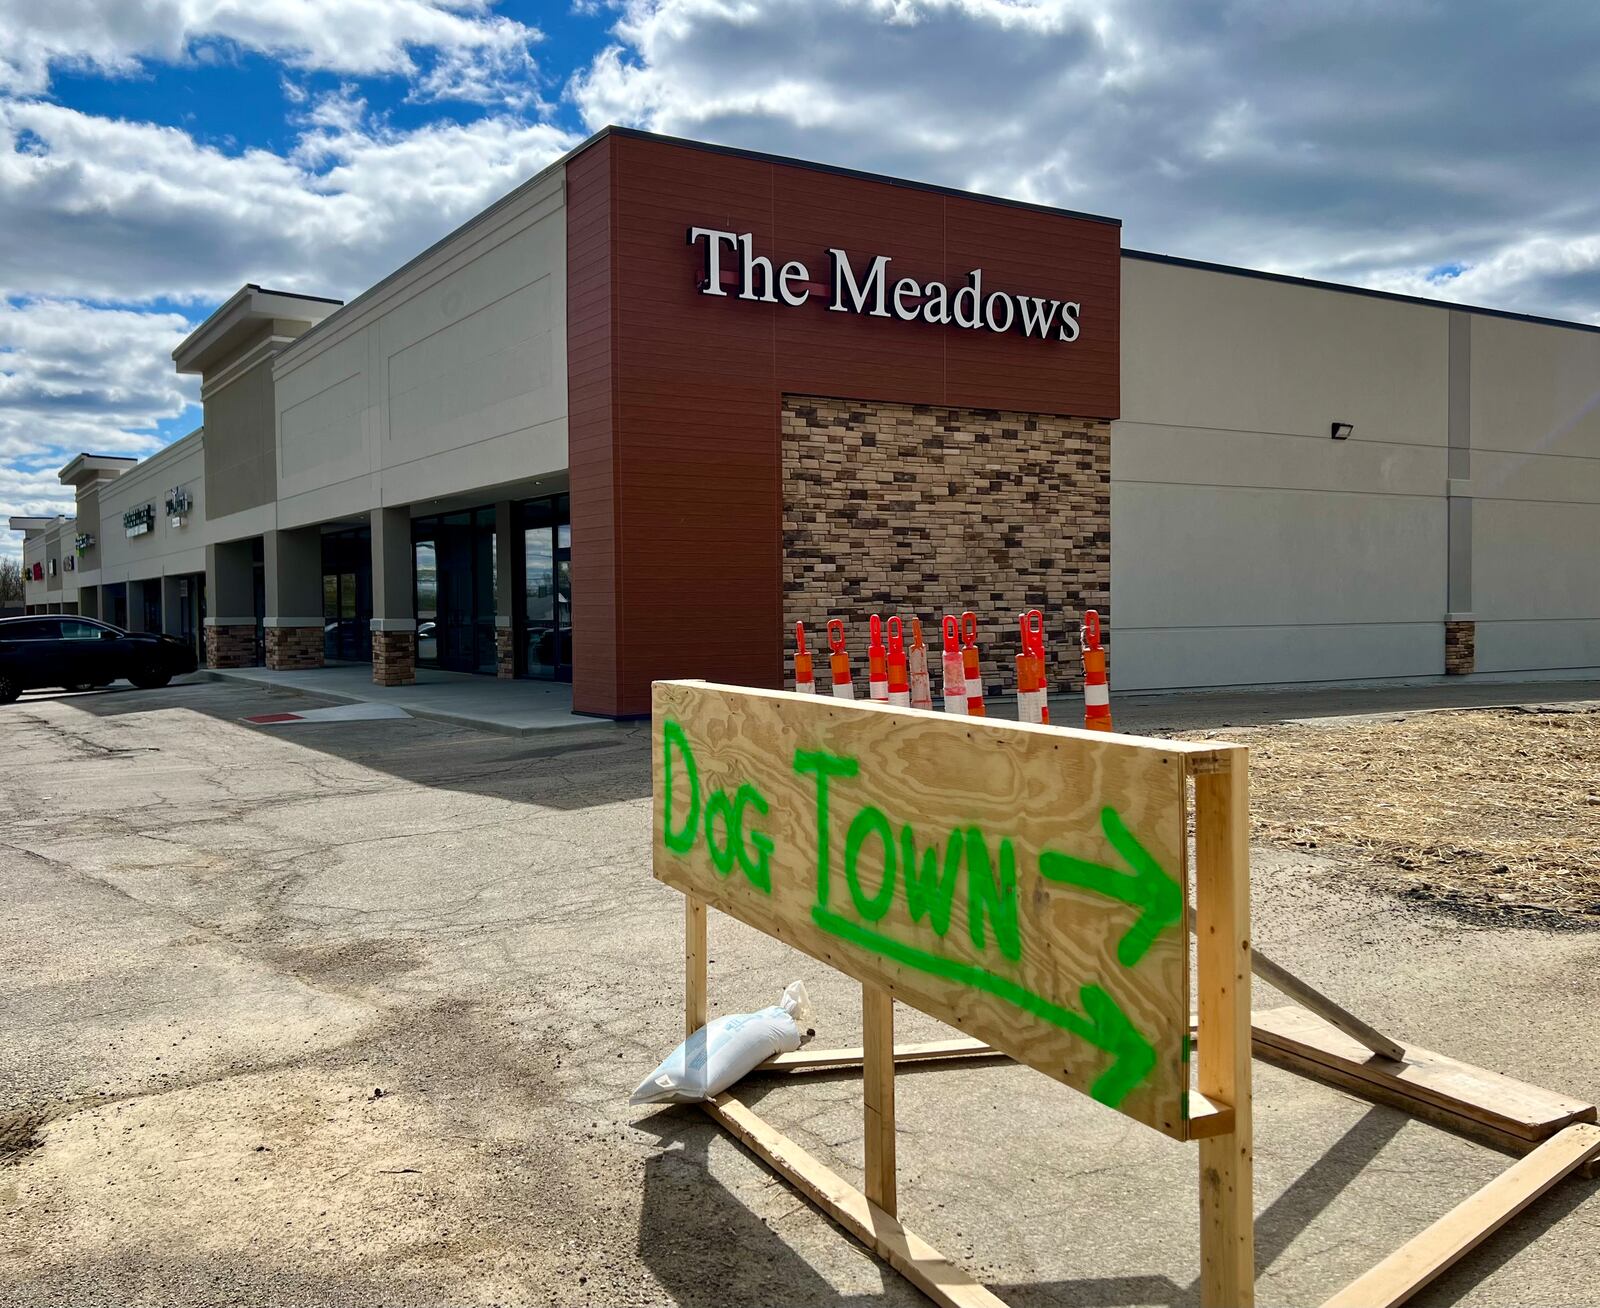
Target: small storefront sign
(139, 521)
(84, 540)
(179, 503)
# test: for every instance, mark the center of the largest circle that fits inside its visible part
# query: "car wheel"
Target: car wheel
(9, 689)
(149, 678)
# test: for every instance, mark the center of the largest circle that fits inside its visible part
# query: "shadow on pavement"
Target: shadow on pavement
(569, 769)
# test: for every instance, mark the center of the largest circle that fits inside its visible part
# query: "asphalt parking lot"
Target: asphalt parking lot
(348, 1013)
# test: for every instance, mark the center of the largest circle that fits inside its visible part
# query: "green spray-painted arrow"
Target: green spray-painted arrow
(1102, 1023)
(1148, 887)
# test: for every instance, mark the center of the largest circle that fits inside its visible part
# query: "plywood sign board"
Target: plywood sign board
(1025, 884)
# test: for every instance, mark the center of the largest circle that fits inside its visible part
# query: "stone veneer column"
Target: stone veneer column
(291, 648)
(394, 657)
(505, 650)
(927, 510)
(231, 645)
(1460, 646)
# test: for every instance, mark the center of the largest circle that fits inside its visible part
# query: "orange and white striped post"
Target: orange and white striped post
(1096, 689)
(877, 661)
(955, 673)
(839, 662)
(1030, 692)
(969, 665)
(804, 682)
(899, 680)
(917, 662)
(1041, 671)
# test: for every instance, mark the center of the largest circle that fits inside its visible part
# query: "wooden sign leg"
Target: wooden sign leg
(1222, 918)
(877, 1068)
(694, 964)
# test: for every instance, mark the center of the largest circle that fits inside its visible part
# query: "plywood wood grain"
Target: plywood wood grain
(1024, 884)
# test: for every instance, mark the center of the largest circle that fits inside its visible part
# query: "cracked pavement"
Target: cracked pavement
(348, 1014)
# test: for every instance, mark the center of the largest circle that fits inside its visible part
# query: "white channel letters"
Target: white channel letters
(875, 294)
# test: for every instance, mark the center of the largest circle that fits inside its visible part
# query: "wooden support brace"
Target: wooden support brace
(1472, 1101)
(838, 1060)
(1468, 1224)
(1308, 996)
(915, 1259)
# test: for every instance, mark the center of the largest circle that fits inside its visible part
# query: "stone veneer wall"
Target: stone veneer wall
(230, 647)
(394, 658)
(1460, 647)
(505, 655)
(927, 510)
(289, 648)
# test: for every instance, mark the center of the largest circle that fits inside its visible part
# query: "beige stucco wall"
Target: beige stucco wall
(1535, 489)
(166, 550)
(241, 462)
(450, 377)
(1247, 546)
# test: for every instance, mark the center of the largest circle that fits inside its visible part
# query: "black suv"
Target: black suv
(57, 649)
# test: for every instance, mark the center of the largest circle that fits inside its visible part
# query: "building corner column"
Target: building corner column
(1460, 623)
(394, 620)
(292, 559)
(230, 631)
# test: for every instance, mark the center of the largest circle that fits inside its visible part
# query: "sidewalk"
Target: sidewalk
(518, 708)
(511, 708)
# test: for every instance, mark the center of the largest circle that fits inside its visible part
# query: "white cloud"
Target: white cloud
(1354, 141)
(108, 210)
(75, 377)
(455, 49)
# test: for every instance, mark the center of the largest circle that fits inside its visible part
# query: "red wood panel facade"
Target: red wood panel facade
(675, 396)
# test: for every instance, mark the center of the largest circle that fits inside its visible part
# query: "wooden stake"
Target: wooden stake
(1222, 922)
(877, 1093)
(694, 964)
(1469, 1223)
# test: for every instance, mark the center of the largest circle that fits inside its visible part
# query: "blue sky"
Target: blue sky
(155, 154)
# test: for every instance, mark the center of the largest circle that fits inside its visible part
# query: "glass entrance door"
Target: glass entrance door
(347, 595)
(455, 578)
(547, 587)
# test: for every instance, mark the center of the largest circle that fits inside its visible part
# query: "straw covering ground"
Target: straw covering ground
(1493, 813)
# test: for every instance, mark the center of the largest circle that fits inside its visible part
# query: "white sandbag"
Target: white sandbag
(718, 1054)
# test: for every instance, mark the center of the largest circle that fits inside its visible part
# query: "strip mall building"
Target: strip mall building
(665, 399)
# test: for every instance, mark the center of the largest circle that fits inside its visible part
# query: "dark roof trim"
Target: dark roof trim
(120, 458)
(292, 295)
(634, 133)
(1286, 278)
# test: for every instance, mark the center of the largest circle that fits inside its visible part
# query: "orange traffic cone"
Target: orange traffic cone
(839, 661)
(1096, 689)
(899, 680)
(1030, 669)
(955, 675)
(917, 662)
(804, 682)
(877, 661)
(969, 665)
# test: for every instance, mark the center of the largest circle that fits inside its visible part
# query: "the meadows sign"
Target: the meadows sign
(732, 267)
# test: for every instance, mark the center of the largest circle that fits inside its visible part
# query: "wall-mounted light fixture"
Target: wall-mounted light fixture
(1342, 430)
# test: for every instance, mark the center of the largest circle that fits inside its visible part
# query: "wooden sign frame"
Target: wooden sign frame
(1558, 1134)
